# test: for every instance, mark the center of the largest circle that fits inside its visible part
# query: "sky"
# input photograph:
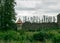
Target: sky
(37, 7)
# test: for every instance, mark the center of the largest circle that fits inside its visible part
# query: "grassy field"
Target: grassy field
(42, 36)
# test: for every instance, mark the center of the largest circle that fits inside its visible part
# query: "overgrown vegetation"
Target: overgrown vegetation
(8, 27)
(50, 36)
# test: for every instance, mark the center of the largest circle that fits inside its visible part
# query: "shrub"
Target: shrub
(9, 35)
(12, 35)
(39, 36)
(2, 35)
(49, 35)
(56, 38)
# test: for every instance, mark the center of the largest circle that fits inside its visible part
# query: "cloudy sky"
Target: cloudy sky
(37, 7)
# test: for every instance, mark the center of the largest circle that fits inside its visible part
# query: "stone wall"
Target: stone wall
(38, 26)
(58, 20)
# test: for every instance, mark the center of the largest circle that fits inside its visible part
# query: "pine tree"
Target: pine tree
(7, 14)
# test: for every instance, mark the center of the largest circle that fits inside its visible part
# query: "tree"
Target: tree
(54, 19)
(7, 14)
(31, 19)
(44, 18)
(36, 19)
(50, 19)
(24, 18)
(39, 20)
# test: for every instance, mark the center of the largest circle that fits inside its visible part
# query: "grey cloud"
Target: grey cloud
(42, 7)
(52, 11)
(50, 3)
(37, 6)
(25, 8)
(29, 0)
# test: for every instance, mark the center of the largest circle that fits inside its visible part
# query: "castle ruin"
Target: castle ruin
(38, 26)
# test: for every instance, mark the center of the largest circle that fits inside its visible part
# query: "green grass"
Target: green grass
(27, 36)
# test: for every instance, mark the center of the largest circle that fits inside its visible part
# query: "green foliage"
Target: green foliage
(9, 35)
(39, 36)
(56, 38)
(7, 14)
(31, 37)
(42, 36)
(2, 35)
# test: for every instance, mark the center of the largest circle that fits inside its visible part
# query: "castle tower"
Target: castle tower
(58, 20)
(19, 24)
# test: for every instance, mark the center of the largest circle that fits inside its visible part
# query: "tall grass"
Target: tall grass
(22, 36)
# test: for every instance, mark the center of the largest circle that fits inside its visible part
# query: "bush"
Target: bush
(56, 38)
(9, 35)
(49, 35)
(12, 35)
(2, 35)
(39, 36)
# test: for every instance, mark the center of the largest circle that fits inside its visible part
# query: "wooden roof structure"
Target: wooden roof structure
(19, 21)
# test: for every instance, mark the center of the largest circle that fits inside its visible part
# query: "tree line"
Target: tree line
(39, 19)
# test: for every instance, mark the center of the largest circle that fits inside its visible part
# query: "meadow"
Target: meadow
(22, 36)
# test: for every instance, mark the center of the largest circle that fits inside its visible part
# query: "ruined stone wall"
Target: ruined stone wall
(38, 26)
(58, 20)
